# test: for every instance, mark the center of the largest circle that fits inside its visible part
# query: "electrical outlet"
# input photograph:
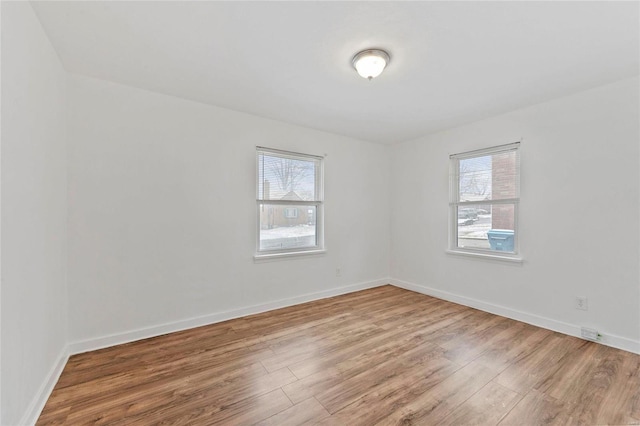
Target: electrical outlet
(581, 303)
(590, 334)
(338, 272)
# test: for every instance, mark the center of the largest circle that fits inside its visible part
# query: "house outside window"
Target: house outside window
(484, 202)
(289, 202)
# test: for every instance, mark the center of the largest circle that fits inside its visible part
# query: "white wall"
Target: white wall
(579, 215)
(162, 211)
(33, 213)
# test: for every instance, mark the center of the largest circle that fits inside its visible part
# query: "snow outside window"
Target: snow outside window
(289, 202)
(484, 200)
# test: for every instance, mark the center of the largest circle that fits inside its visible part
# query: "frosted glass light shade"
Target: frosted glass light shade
(370, 63)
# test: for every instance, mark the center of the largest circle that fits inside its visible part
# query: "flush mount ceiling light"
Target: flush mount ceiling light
(370, 63)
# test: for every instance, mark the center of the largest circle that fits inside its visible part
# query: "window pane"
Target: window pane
(285, 227)
(282, 177)
(489, 177)
(475, 179)
(485, 226)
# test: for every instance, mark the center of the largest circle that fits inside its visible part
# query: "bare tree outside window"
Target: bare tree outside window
(475, 178)
(290, 173)
(286, 178)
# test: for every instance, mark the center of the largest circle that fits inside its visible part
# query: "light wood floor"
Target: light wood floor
(380, 356)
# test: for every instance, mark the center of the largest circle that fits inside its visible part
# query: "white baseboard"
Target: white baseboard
(144, 333)
(37, 404)
(548, 323)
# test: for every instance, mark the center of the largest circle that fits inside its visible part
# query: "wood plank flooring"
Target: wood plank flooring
(383, 356)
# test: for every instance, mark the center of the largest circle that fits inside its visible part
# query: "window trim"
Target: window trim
(454, 204)
(319, 247)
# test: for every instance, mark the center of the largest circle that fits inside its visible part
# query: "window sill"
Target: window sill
(490, 256)
(276, 256)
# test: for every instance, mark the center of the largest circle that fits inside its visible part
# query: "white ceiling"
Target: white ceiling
(451, 62)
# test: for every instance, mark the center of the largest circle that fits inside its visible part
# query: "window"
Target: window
(484, 199)
(289, 202)
(291, 213)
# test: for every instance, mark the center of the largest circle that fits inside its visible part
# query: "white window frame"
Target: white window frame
(318, 203)
(455, 203)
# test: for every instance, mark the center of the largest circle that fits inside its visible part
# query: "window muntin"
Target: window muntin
(289, 201)
(484, 201)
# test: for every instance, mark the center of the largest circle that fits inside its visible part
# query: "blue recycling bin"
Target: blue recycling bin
(500, 239)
